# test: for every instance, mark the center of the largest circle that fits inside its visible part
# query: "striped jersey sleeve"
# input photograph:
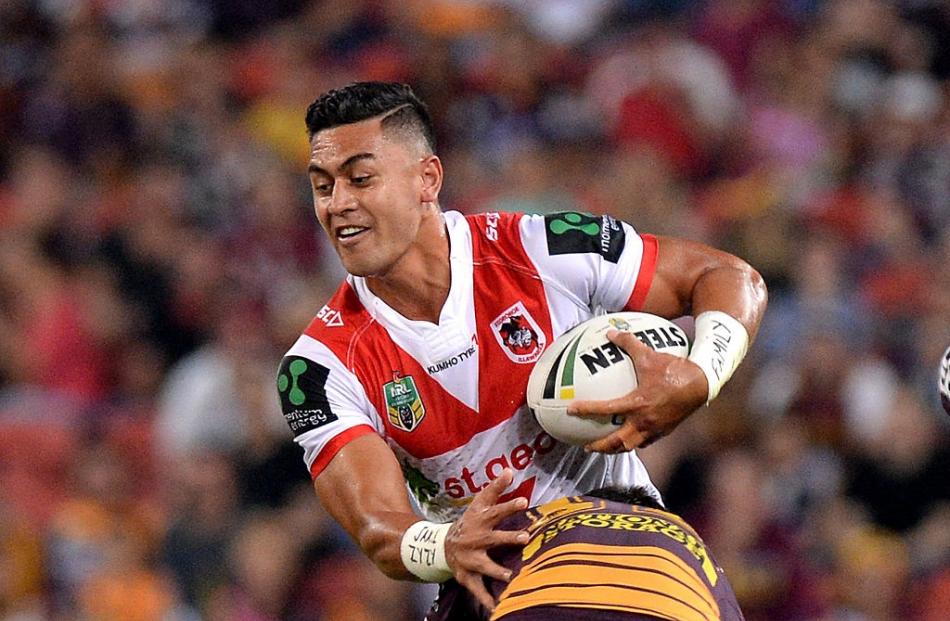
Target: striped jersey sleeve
(323, 402)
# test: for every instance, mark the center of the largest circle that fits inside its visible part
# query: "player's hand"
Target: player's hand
(470, 537)
(668, 390)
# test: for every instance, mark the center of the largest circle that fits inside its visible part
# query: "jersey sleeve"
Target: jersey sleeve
(323, 402)
(600, 261)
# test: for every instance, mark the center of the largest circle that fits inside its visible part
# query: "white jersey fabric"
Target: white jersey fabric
(449, 399)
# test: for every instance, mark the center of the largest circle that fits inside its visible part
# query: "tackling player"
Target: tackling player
(414, 373)
(610, 555)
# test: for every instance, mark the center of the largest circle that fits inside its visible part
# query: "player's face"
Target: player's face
(370, 193)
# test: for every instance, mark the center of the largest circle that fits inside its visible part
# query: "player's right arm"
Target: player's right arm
(364, 490)
(360, 483)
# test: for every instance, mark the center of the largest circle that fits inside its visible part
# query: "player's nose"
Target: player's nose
(341, 200)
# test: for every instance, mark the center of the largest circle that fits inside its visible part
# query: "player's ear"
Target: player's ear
(431, 179)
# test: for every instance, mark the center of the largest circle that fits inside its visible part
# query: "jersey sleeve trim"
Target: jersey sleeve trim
(645, 275)
(333, 447)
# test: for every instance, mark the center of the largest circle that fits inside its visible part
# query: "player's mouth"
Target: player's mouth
(348, 235)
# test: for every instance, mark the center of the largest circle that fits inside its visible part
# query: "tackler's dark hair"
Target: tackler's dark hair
(629, 496)
(364, 100)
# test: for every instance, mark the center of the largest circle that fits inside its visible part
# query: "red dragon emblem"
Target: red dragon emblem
(518, 334)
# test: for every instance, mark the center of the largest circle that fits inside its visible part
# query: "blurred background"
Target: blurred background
(158, 254)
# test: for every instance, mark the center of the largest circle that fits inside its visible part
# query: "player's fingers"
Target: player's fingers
(495, 488)
(508, 538)
(473, 582)
(487, 567)
(634, 347)
(624, 439)
(606, 407)
(500, 511)
(607, 444)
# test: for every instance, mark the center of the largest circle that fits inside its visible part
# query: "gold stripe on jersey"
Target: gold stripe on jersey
(646, 521)
(599, 553)
(643, 579)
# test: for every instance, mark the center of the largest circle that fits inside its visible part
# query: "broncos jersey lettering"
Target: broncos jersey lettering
(449, 398)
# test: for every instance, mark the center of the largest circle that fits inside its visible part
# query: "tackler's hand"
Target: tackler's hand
(668, 390)
(473, 534)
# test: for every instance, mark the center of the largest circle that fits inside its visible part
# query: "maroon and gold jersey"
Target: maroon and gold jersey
(599, 560)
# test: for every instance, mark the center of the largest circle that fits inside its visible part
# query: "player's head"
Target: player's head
(374, 172)
(629, 496)
(401, 111)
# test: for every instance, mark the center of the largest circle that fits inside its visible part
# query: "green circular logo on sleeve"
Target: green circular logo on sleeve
(302, 386)
(572, 222)
(297, 368)
(576, 233)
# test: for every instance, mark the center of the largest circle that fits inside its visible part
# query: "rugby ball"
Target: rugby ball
(583, 364)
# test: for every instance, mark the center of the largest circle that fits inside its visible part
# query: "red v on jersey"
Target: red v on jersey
(449, 398)
(434, 421)
(364, 346)
(504, 276)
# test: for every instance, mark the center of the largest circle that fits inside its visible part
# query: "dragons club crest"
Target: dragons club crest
(518, 334)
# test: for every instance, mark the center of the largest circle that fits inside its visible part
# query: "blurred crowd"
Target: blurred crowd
(158, 254)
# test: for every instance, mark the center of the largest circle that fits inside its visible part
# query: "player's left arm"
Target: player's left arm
(692, 278)
(728, 298)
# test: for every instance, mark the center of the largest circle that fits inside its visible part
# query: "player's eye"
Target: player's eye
(323, 189)
(360, 179)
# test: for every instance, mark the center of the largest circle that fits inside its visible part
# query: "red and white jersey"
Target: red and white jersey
(449, 399)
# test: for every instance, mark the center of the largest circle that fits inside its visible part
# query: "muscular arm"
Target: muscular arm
(692, 277)
(363, 488)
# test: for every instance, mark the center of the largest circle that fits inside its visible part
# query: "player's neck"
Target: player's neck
(418, 285)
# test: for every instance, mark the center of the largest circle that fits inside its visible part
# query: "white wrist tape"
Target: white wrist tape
(423, 551)
(720, 344)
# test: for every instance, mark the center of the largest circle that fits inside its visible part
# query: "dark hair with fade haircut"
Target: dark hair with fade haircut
(628, 496)
(364, 100)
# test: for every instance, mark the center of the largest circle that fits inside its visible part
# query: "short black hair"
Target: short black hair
(628, 496)
(364, 100)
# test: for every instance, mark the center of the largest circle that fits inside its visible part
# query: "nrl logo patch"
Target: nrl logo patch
(403, 404)
(518, 334)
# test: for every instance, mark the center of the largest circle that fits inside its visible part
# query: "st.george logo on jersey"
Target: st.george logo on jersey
(518, 334)
(403, 403)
